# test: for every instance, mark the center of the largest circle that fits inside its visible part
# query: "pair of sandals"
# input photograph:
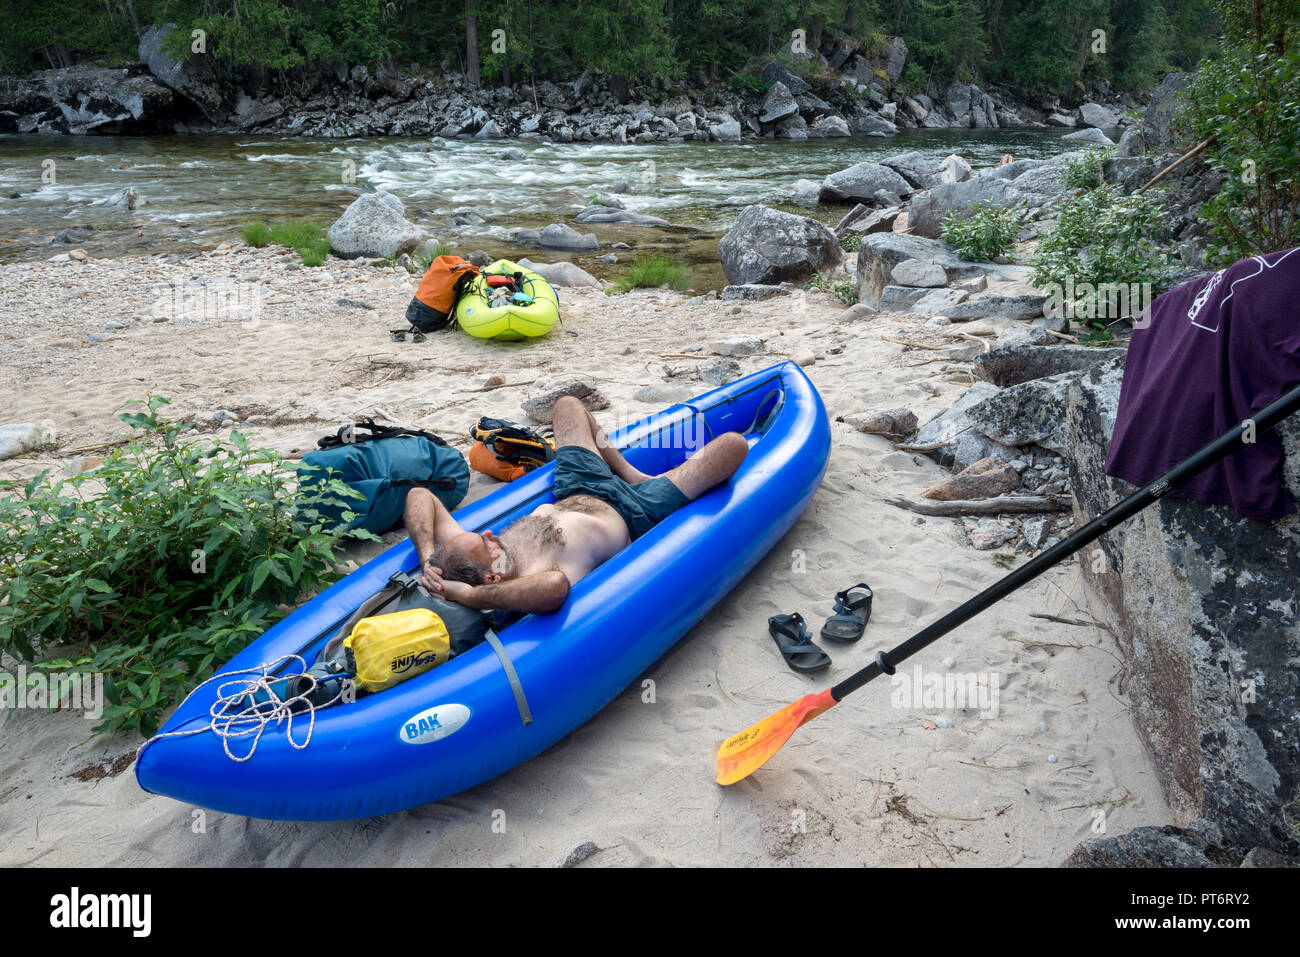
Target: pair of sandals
(852, 611)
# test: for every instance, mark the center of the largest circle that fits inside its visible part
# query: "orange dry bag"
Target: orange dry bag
(435, 301)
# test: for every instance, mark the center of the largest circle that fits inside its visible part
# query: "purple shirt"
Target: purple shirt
(1216, 350)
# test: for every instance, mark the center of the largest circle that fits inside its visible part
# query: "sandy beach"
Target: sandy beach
(304, 350)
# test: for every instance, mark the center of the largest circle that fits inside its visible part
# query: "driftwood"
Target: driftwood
(1177, 163)
(988, 506)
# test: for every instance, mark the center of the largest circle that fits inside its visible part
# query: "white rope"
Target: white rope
(227, 723)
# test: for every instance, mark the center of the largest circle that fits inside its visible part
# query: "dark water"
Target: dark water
(200, 189)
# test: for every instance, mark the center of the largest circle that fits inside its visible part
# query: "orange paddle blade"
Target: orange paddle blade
(743, 754)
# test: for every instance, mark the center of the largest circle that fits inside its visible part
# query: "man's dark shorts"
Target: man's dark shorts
(580, 471)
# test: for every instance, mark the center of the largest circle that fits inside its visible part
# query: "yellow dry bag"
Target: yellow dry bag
(385, 650)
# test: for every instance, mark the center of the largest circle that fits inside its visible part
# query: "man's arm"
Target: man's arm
(428, 521)
(535, 594)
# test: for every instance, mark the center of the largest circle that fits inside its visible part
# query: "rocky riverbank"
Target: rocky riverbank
(843, 89)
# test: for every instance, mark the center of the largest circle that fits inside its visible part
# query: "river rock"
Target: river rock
(562, 273)
(768, 246)
(1165, 106)
(728, 131)
(1150, 846)
(775, 73)
(894, 424)
(1096, 115)
(194, 78)
(983, 479)
(720, 373)
(955, 170)
(878, 221)
(881, 252)
(962, 444)
(859, 310)
(804, 192)
(914, 272)
(1204, 607)
(540, 408)
(939, 302)
(125, 199)
(738, 346)
(513, 154)
(374, 227)
(1013, 363)
(560, 236)
(609, 214)
(899, 298)
(22, 437)
(989, 533)
(778, 104)
(1028, 306)
(859, 183)
(1030, 413)
(931, 207)
(1093, 136)
(753, 292)
(828, 126)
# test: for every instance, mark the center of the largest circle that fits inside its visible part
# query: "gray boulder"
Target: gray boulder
(1014, 363)
(560, 236)
(1031, 413)
(894, 58)
(541, 407)
(881, 252)
(21, 437)
(915, 272)
(1096, 115)
(1203, 605)
(939, 301)
(962, 445)
(752, 292)
(562, 273)
(728, 131)
(768, 246)
(1165, 107)
(1094, 136)
(195, 78)
(374, 226)
(1029, 306)
(778, 104)
(609, 214)
(930, 208)
(1013, 169)
(125, 199)
(805, 192)
(1151, 846)
(829, 126)
(775, 73)
(920, 171)
(860, 182)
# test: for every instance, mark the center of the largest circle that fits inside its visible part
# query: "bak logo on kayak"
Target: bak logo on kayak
(433, 724)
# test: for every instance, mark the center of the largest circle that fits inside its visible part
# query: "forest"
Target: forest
(1039, 46)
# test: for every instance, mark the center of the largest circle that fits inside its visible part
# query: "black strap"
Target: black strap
(356, 434)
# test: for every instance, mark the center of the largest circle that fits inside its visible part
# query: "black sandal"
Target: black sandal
(853, 613)
(792, 637)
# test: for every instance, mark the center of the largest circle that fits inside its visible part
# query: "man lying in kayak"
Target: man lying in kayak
(603, 504)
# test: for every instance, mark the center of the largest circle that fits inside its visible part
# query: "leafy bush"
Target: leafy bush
(748, 81)
(984, 233)
(160, 564)
(1250, 101)
(1086, 172)
(851, 243)
(842, 289)
(655, 271)
(1102, 241)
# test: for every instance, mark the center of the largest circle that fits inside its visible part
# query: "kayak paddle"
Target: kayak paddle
(743, 754)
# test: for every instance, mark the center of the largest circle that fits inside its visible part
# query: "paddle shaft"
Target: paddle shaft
(1191, 466)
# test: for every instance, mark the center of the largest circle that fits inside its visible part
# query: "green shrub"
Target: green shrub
(160, 564)
(1087, 171)
(424, 257)
(654, 271)
(256, 234)
(984, 233)
(1103, 243)
(842, 289)
(1251, 104)
(748, 81)
(851, 243)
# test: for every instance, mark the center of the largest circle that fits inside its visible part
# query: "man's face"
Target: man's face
(485, 551)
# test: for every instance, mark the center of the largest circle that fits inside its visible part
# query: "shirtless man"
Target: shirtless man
(603, 504)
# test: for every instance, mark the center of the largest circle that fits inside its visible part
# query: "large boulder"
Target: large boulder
(879, 253)
(1204, 607)
(1096, 115)
(775, 73)
(560, 236)
(1093, 137)
(958, 444)
(728, 131)
(778, 104)
(81, 100)
(768, 246)
(893, 58)
(1166, 105)
(1020, 362)
(860, 182)
(194, 78)
(374, 226)
(1027, 306)
(931, 207)
(1031, 413)
(1151, 846)
(919, 170)
(562, 273)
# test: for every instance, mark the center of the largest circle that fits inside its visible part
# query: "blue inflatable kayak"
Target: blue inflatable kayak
(461, 723)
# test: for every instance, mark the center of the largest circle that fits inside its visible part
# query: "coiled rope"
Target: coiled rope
(227, 723)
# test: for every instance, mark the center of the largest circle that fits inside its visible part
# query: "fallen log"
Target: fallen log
(988, 506)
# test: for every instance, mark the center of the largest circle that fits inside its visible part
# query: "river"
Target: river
(199, 190)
